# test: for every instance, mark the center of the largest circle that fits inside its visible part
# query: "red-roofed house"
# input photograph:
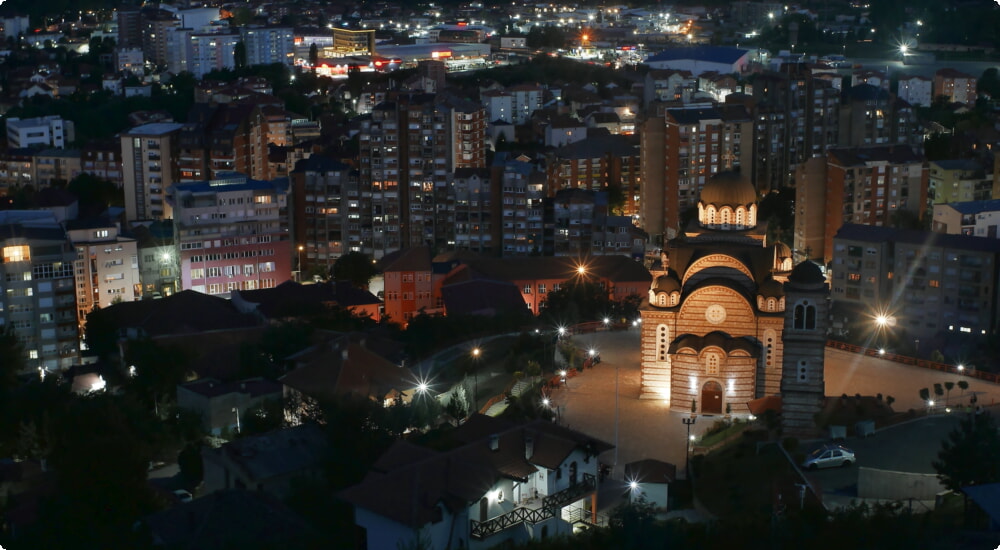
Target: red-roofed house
(498, 483)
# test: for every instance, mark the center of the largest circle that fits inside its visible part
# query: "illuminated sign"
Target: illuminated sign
(439, 55)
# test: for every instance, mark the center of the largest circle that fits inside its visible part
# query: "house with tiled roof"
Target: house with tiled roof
(342, 366)
(267, 463)
(492, 482)
(536, 276)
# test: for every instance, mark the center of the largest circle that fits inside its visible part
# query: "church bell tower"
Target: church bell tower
(804, 337)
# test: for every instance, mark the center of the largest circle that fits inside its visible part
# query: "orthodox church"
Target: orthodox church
(729, 319)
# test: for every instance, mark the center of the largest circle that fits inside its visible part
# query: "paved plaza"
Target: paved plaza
(646, 429)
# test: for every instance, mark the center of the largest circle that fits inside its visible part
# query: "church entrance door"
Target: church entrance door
(711, 398)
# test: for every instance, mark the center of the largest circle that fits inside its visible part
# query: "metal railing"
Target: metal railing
(907, 360)
(550, 505)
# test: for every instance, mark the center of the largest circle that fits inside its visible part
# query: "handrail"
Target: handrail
(913, 361)
(551, 503)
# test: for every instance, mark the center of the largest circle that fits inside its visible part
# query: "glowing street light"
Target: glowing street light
(422, 387)
(960, 367)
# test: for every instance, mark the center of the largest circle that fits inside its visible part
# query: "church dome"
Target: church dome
(667, 283)
(806, 273)
(728, 189)
(782, 257)
(771, 289)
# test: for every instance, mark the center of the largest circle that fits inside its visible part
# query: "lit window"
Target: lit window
(20, 253)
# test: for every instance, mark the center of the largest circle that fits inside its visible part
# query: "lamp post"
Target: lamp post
(301, 248)
(687, 449)
(475, 374)
(237, 411)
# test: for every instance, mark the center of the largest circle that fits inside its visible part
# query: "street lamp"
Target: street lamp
(301, 248)
(687, 454)
(475, 373)
(237, 411)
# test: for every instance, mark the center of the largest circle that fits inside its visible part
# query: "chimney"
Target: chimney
(243, 386)
(494, 442)
(343, 354)
(529, 447)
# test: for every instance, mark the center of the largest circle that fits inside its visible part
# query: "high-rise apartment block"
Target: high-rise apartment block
(795, 118)
(149, 168)
(223, 138)
(329, 215)
(868, 186)
(409, 146)
(681, 149)
(37, 288)
(106, 266)
(955, 85)
(231, 233)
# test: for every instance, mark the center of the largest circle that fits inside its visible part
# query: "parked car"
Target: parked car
(183, 495)
(829, 456)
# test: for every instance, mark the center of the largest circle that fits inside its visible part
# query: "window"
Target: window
(527, 289)
(19, 253)
(805, 316)
(712, 361)
(662, 343)
(541, 289)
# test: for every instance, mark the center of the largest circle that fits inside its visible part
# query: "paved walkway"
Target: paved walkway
(646, 429)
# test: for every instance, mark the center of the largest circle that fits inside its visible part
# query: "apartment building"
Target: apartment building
(408, 147)
(106, 266)
(103, 160)
(795, 117)
(159, 267)
(155, 26)
(48, 131)
(916, 90)
(473, 191)
(519, 205)
(329, 215)
(583, 226)
(207, 52)
(267, 45)
(53, 166)
(149, 168)
(222, 138)
(956, 86)
(17, 168)
(911, 273)
(598, 163)
(680, 150)
(408, 284)
(867, 186)
(959, 180)
(978, 218)
(231, 233)
(872, 116)
(38, 288)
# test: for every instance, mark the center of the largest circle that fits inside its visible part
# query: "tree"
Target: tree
(578, 299)
(190, 463)
(240, 55)
(963, 385)
(355, 267)
(938, 390)
(12, 360)
(969, 455)
(925, 394)
(948, 386)
(313, 56)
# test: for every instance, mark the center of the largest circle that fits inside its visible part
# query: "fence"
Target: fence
(913, 361)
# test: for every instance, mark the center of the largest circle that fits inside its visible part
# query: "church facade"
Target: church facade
(729, 320)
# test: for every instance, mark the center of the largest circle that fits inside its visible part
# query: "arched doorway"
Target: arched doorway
(711, 398)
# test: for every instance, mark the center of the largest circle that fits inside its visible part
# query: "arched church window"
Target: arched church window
(662, 342)
(661, 299)
(740, 216)
(772, 304)
(725, 216)
(710, 216)
(804, 316)
(675, 297)
(712, 361)
(803, 370)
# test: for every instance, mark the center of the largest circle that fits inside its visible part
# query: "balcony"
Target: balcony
(551, 505)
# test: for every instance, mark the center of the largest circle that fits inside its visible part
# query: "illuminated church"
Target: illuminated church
(729, 320)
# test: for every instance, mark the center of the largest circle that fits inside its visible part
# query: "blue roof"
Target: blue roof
(232, 181)
(975, 207)
(959, 164)
(713, 54)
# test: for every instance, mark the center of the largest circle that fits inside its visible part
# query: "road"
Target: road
(975, 68)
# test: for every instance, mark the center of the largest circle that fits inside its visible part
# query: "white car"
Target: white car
(829, 456)
(183, 495)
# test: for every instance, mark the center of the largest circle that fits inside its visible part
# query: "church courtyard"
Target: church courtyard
(647, 429)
